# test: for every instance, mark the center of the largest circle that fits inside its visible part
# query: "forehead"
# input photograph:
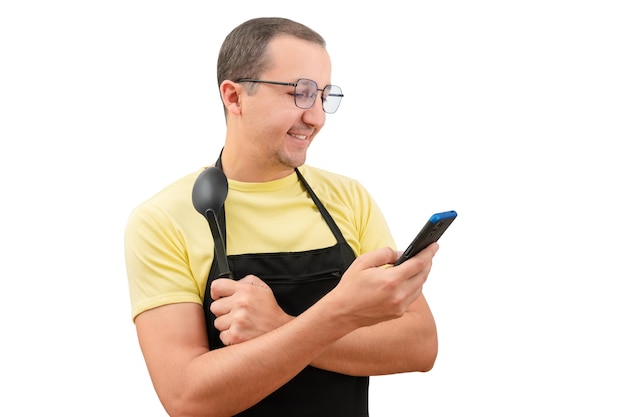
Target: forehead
(293, 58)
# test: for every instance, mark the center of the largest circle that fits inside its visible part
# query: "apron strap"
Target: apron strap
(346, 252)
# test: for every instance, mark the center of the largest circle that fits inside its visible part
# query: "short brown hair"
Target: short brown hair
(243, 52)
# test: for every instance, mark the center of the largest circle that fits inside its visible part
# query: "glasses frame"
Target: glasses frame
(295, 96)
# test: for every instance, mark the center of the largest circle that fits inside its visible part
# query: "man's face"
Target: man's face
(279, 131)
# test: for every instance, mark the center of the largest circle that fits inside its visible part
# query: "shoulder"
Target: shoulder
(171, 204)
(177, 192)
(352, 207)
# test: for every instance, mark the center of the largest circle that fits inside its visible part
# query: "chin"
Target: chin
(295, 163)
(293, 159)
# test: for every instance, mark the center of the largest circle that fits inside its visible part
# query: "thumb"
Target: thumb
(376, 258)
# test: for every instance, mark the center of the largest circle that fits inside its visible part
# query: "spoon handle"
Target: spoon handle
(220, 251)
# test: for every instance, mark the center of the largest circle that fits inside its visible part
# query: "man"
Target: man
(315, 307)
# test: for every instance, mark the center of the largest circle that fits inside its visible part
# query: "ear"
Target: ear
(231, 96)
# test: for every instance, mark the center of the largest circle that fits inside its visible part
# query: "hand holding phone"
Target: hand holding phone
(430, 233)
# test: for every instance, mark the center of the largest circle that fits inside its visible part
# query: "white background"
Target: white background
(511, 113)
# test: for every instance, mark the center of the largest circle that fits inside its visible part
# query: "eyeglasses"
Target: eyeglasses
(305, 93)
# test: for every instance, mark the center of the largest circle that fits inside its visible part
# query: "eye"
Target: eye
(306, 92)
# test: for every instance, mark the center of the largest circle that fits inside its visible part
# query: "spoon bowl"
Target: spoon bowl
(209, 191)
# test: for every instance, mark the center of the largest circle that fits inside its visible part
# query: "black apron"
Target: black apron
(298, 280)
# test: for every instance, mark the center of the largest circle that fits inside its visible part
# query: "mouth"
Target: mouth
(300, 137)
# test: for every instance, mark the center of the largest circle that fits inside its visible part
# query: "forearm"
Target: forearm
(225, 381)
(405, 344)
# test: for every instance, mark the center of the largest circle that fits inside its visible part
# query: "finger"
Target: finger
(421, 263)
(225, 338)
(223, 287)
(425, 255)
(230, 335)
(222, 323)
(221, 306)
(432, 249)
(254, 281)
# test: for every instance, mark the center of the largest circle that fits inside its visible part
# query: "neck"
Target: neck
(243, 167)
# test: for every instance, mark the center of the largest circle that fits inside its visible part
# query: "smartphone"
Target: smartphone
(430, 233)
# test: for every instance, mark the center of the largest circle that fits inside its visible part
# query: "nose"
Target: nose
(315, 116)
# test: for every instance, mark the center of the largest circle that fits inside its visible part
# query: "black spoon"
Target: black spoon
(208, 195)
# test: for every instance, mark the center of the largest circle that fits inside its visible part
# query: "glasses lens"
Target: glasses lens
(305, 93)
(331, 98)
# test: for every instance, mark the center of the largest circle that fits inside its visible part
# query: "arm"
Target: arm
(192, 380)
(408, 343)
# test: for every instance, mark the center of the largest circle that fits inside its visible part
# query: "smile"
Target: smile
(299, 136)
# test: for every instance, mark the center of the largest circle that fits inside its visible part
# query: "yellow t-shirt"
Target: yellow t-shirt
(169, 246)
